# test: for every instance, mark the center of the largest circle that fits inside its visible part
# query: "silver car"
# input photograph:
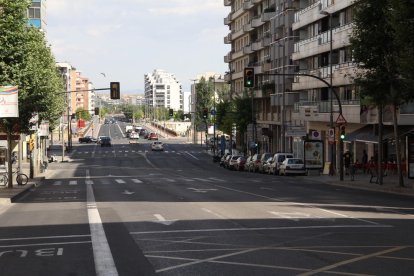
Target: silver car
(292, 166)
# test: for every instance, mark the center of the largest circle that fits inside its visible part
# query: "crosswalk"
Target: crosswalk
(113, 152)
(129, 180)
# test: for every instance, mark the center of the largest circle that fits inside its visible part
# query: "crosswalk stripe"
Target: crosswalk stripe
(73, 182)
(89, 182)
(120, 181)
(136, 180)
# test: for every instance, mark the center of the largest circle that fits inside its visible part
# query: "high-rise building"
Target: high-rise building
(162, 89)
(37, 14)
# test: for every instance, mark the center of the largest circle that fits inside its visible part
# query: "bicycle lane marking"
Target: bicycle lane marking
(104, 261)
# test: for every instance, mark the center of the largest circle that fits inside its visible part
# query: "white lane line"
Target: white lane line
(73, 182)
(104, 261)
(188, 180)
(213, 213)
(119, 181)
(169, 179)
(263, 229)
(202, 179)
(345, 216)
(57, 183)
(136, 180)
(217, 179)
(186, 152)
(89, 182)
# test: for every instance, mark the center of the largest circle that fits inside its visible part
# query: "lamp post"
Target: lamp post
(194, 103)
(331, 123)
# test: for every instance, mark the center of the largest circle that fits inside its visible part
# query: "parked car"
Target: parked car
(254, 163)
(153, 136)
(278, 158)
(263, 159)
(241, 161)
(222, 159)
(267, 164)
(233, 162)
(292, 166)
(157, 145)
(105, 141)
(87, 139)
(247, 163)
(226, 161)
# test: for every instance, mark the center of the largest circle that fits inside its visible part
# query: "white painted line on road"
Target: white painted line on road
(213, 213)
(162, 220)
(345, 216)
(217, 179)
(186, 152)
(43, 244)
(73, 182)
(89, 182)
(45, 237)
(169, 179)
(119, 181)
(188, 180)
(202, 179)
(57, 183)
(105, 181)
(264, 229)
(104, 261)
(136, 180)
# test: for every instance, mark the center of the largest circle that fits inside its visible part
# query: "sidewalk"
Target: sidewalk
(362, 182)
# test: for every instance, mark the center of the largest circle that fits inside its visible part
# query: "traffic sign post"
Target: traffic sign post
(340, 120)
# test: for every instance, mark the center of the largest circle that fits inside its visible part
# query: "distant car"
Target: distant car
(153, 136)
(98, 141)
(292, 166)
(87, 139)
(241, 161)
(105, 141)
(157, 145)
(263, 161)
(254, 163)
(277, 160)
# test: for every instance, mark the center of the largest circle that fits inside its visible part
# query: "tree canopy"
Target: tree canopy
(27, 62)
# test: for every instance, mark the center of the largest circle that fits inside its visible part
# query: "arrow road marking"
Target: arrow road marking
(136, 180)
(162, 220)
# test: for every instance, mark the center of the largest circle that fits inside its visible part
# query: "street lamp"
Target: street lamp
(194, 103)
(331, 123)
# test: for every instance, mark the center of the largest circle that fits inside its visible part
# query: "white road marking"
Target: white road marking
(105, 181)
(120, 181)
(263, 229)
(186, 152)
(136, 180)
(188, 180)
(213, 213)
(169, 179)
(104, 261)
(217, 179)
(73, 182)
(57, 183)
(162, 220)
(89, 182)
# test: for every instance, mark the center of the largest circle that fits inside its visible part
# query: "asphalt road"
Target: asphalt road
(125, 210)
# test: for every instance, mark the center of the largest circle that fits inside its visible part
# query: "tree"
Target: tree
(385, 59)
(81, 113)
(26, 62)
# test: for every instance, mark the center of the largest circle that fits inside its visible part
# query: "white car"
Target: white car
(157, 145)
(292, 166)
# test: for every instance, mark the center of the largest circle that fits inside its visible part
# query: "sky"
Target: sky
(126, 39)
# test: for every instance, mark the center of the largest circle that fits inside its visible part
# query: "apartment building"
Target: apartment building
(261, 37)
(36, 14)
(304, 37)
(162, 89)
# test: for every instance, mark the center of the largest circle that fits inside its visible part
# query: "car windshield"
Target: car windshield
(295, 161)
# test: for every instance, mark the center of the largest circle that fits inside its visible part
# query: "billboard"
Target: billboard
(313, 150)
(9, 102)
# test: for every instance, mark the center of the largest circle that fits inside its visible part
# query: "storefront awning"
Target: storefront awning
(367, 134)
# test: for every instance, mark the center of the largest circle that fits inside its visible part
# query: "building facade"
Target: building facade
(37, 14)
(162, 89)
(293, 38)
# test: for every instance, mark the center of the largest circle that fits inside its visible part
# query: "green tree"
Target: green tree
(385, 58)
(81, 113)
(27, 62)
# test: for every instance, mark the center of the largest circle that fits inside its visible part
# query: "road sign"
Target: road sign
(331, 136)
(340, 120)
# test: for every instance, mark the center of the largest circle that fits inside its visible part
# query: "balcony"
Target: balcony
(227, 58)
(247, 5)
(247, 49)
(257, 21)
(266, 16)
(248, 27)
(291, 98)
(227, 3)
(257, 45)
(237, 54)
(227, 39)
(237, 34)
(227, 20)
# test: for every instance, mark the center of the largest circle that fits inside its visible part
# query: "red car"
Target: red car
(153, 136)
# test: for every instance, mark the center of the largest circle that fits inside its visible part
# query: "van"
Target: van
(277, 160)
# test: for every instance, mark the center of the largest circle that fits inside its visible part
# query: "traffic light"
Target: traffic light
(31, 144)
(248, 77)
(171, 112)
(342, 132)
(73, 116)
(115, 91)
(205, 113)
(96, 110)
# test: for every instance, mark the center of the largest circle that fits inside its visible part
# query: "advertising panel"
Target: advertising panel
(313, 150)
(9, 102)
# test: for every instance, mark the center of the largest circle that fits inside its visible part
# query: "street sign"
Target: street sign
(331, 136)
(340, 120)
